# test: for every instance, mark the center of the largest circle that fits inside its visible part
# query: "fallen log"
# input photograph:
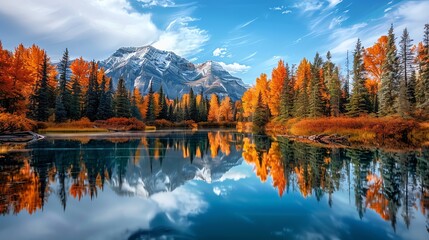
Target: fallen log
(20, 137)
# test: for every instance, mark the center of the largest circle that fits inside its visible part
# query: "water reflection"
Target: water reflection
(394, 185)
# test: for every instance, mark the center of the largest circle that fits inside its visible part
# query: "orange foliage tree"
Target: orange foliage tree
(278, 76)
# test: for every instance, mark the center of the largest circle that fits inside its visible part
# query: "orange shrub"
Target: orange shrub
(81, 123)
(125, 124)
(359, 129)
(162, 123)
(14, 123)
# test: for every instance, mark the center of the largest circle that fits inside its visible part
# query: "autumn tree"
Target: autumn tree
(302, 89)
(278, 76)
(373, 59)
(225, 110)
(213, 115)
(287, 96)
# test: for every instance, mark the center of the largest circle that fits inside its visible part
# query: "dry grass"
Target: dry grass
(72, 130)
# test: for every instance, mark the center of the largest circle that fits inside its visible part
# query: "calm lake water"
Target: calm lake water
(210, 185)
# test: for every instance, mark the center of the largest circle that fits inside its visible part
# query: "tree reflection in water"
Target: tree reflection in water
(395, 185)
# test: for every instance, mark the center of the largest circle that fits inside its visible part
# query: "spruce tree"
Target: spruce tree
(60, 111)
(261, 116)
(92, 94)
(75, 100)
(39, 101)
(389, 78)
(193, 111)
(135, 112)
(359, 99)
(315, 97)
(163, 114)
(406, 59)
(287, 97)
(105, 107)
(422, 85)
(345, 95)
(122, 102)
(335, 93)
(150, 112)
(63, 86)
(411, 89)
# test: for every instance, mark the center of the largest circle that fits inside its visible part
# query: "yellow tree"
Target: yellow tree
(373, 60)
(225, 110)
(249, 100)
(278, 76)
(262, 86)
(214, 108)
(80, 71)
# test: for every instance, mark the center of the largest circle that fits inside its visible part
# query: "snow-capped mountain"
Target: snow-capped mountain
(141, 65)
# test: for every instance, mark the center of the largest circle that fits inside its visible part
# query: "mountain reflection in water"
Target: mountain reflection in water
(394, 185)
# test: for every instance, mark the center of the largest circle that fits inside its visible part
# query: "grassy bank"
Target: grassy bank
(362, 130)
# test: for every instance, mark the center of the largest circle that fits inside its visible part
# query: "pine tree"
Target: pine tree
(287, 97)
(105, 107)
(75, 100)
(359, 99)
(335, 93)
(60, 111)
(301, 108)
(150, 112)
(345, 95)
(193, 111)
(422, 85)
(261, 116)
(406, 59)
(411, 89)
(39, 101)
(389, 78)
(63, 87)
(134, 108)
(122, 102)
(315, 98)
(163, 114)
(92, 95)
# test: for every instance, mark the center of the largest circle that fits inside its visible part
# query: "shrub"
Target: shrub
(14, 123)
(124, 124)
(162, 123)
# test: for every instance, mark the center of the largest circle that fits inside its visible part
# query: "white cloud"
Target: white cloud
(220, 52)
(181, 38)
(387, 9)
(82, 24)
(309, 5)
(156, 3)
(233, 175)
(336, 21)
(234, 67)
(333, 3)
(287, 11)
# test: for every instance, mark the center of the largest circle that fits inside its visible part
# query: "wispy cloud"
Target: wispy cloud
(156, 3)
(281, 9)
(246, 24)
(235, 67)
(309, 5)
(333, 3)
(249, 57)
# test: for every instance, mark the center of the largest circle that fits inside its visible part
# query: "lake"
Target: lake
(210, 185)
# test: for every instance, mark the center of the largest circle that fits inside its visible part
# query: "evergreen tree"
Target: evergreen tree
(105, 107)
(60, 111)
(193, 111)
(335, 93)
(63, 86)
(134, 109)
(389, 78)
(261, 116)
(345, 95)
(92, 95)
(422, 85)
(150, 112)
(315, 97)
(359, 99)
(287, 97)
(163, 114)
(406, 59)
(122, 102)
(411, 89)
(75, 100)
(39, 101)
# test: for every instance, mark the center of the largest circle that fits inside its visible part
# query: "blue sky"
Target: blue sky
(247, 37)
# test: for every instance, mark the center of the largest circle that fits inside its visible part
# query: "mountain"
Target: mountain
(141, 65)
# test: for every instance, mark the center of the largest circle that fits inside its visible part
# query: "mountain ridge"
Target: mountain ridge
(140, 66)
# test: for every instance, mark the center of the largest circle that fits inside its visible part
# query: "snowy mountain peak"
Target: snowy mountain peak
(140, 65)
